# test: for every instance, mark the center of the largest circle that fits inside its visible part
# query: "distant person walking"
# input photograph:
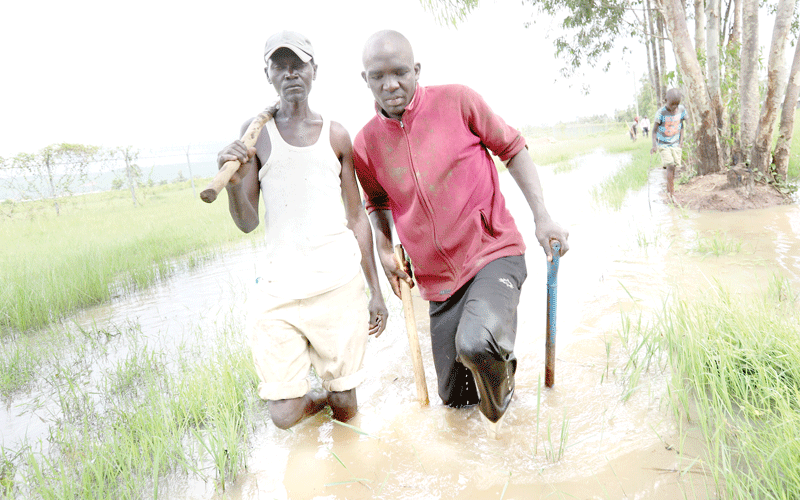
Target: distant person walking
(632, 128)
(668, 135)
(645, 123)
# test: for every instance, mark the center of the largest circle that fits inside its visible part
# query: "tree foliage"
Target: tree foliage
(449, 11)
(590, 29)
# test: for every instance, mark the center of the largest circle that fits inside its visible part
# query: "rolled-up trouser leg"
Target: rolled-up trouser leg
(485, 314)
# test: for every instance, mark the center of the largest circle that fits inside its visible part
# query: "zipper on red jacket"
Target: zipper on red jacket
(428, 209)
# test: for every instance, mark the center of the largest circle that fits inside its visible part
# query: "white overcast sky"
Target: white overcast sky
(155, 73)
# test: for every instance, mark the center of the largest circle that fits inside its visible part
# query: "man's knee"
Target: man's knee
(475, 341)
(476, 337)
(474, 348)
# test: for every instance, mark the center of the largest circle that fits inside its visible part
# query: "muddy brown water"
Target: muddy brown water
(580, 439)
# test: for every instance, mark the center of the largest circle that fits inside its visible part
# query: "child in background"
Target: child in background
(668, 135)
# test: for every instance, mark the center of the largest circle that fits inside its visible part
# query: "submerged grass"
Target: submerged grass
(101, 245)
(735, 364)
(632, 176)
(19, 362)
(151, 417)
(718, 244)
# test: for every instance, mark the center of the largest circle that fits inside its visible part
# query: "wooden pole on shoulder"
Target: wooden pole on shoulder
(209, 194)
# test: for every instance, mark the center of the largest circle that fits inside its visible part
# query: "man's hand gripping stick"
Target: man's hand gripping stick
(224, 174)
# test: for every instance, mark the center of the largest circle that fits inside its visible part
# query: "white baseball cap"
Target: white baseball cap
(291, 40)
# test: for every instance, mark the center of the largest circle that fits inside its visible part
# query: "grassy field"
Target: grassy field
(559, 153)
(101, 245)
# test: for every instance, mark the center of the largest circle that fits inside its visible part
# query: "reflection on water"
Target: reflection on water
(580, 438)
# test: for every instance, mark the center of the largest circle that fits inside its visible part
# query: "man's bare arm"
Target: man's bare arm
(382, 222)
(358, 222)
(243, 188)
(523, 170)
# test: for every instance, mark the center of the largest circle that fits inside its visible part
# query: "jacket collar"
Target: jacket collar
(411, 110)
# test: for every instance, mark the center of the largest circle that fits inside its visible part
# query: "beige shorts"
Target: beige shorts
(328, 331)
(670, 155)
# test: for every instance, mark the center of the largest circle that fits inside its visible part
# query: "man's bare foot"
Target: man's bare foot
(344, 404)
(287, 412)
(316, 401)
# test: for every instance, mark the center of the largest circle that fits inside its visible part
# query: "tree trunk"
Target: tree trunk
(700, 27)
(657, 70)
(129, 174)
(51, 184)
(662, 56)
(776, 71)
(748, 83)
(706, 134)
(732, 69)
(191, 177)
(712, 57)
(650, 75)
(736, 29)
(783, 148)
(647, 39)
(726, 27)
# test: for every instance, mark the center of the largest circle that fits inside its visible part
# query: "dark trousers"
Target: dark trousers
(473, 334)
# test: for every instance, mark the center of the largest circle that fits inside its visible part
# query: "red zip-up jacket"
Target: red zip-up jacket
(432, 169)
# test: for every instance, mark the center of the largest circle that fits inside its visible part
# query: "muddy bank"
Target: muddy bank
(725, 191)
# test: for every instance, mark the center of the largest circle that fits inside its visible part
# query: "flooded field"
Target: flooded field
(599, 433)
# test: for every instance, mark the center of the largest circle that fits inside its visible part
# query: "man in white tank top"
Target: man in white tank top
(310, 308)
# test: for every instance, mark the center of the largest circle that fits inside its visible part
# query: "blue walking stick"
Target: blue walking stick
(550, 342)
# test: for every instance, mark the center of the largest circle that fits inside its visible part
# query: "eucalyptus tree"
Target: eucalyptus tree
(783, 147)
(761, 157)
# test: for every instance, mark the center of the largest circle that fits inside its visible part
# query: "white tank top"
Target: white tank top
(309, 248)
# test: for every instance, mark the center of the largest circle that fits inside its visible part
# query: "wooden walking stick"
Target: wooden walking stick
(411, 329)
(224, 174)
(550, 342)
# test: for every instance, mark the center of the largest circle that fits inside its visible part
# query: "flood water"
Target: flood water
(590, 436)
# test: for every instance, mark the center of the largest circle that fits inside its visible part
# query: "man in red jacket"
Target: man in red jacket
(424, 164)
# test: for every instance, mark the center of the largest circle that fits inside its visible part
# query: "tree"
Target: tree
(132, 172)
(51, 173)
(776, 74)
(713, 58)
(748, 87)
(650, 41)
(782, 149)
